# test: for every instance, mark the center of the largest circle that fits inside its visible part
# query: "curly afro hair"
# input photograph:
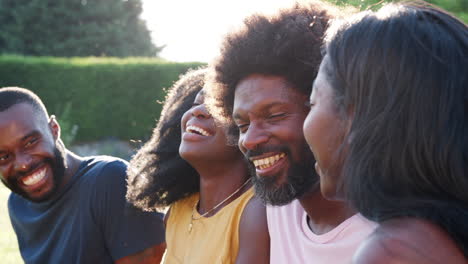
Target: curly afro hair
(287, 44)
(157, 175)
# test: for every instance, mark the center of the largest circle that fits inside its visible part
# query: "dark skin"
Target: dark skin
(324, 215)
(409, 241)
(150, 255)
(222, 171)
(254, 240)
(28, 137)
(269, 112)
(400, 240)
(216, 163)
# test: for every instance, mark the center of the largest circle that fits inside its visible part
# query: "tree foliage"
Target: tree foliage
(457, 7)
(69, 28)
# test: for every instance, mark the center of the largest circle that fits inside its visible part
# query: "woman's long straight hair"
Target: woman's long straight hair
(402, 72)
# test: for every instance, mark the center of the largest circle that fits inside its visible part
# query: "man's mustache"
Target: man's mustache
(20, 174)
(265, 149)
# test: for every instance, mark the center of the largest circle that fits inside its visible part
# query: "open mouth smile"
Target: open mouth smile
(197, 130)
(267, 162)
(35, 179)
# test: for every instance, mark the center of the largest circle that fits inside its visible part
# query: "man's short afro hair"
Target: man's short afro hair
(287, 44)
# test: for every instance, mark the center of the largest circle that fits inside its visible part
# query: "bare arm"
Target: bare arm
(166, 217)
(409, 241)
(150, 255)
(254, 240)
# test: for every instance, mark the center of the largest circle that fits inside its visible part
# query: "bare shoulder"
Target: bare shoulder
(166, 217)
(150, 255)
(408, 240)
(254, 208)
(253, 219)
(254, 240)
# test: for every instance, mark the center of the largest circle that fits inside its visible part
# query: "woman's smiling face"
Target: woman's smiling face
(202, 139)
(325, 129)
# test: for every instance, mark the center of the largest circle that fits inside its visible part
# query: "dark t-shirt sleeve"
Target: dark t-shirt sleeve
(126, 230)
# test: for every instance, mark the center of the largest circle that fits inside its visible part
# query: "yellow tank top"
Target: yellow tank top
(212, 240)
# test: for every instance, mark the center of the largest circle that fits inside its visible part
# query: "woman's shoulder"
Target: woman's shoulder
(254, 239)
(408, 240)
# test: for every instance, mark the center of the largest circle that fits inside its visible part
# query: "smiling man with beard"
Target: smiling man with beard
(272, 186)
(19, 179)
(261, 86)
(65, 208)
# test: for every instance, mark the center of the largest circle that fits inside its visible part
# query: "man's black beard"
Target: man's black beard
(58, 165)
(301, 177)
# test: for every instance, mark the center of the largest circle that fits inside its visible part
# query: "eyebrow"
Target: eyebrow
(30, 134)
(25, 137)
(268, 106)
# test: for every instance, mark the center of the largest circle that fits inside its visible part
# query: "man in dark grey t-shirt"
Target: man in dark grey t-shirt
(65, 208)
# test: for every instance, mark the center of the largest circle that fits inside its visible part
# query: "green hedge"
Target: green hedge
(105, 97)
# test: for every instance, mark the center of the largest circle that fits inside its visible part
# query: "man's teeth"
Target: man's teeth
(35, 178)
(268, 161)
(192, 129)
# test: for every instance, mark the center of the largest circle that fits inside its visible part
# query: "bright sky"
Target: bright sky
(193, 29)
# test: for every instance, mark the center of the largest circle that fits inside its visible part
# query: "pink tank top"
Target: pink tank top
(292, 241)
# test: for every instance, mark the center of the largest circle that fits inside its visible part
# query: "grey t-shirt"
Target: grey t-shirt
(88, 221)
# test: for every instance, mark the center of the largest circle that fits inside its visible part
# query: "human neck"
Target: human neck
(324, 215)
(73, 163)
(220, 181)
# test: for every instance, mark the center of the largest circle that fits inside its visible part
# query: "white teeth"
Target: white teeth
(268, 161)
(35, 178)
(192, 129)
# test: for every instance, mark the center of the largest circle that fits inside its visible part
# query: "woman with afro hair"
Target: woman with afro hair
(188, 166)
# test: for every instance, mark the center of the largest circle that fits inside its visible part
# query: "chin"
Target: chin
(45, 194)
(331, 193)
(43, 197)
(271, 193)
(188, 153)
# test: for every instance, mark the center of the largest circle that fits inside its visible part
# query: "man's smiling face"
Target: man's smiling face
(31, 163)
(269, 113)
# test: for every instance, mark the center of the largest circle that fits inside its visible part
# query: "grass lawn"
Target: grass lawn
(9, 253)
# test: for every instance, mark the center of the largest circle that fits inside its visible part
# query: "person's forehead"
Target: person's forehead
(24, 115)
(260, 91)
(322, 81)
(260, 86)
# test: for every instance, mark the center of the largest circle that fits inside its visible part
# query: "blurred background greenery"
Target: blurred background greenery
(97, 69)
(457, 7)
(96, 97)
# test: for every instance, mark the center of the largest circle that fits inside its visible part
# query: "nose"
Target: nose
(200, 111)
(253, 137)
(23, 162)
